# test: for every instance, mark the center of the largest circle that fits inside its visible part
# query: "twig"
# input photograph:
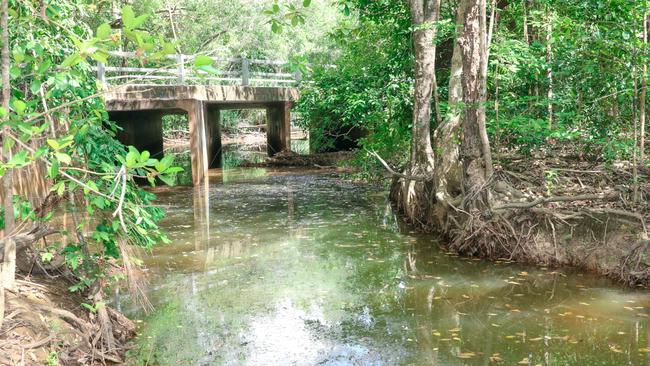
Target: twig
(393, 172)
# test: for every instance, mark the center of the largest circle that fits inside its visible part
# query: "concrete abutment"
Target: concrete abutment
(138, 110)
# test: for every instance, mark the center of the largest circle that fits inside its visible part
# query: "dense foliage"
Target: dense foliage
(559, 72)
(57, 123)
(369, 87)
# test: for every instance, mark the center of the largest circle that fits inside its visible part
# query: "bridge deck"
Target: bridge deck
(142, 97)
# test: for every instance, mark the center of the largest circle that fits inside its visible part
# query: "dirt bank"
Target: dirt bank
(45, 324)
(559, 210)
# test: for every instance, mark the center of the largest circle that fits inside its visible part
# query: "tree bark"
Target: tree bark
(412, 197)
(448, 170)
(425, 58)
(549, 69)
(8, 267)
(475, 149)
(644, 86)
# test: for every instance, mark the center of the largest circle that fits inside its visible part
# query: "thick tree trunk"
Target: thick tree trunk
(413, 197)
(644, 87)
(446, 138)
(8, 266)
(475, 148)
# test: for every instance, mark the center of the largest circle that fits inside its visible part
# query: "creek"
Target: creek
(291, 267)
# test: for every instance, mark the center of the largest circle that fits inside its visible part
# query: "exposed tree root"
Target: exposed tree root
(38, 327)
(585, 217)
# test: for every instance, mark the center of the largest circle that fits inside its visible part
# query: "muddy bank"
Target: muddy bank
(292, 159)
(46, 324)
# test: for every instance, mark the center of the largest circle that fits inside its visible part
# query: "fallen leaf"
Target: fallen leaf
(466, 355)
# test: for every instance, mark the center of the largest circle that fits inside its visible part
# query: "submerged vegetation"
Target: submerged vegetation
(513, 130)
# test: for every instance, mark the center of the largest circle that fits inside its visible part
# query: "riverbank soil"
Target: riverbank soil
(317, 160)
(558, 209)
(45, 324)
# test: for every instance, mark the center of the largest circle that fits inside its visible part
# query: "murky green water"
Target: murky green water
(298, 269)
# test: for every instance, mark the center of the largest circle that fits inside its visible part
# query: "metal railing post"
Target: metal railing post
(245, 71)
(181, 68)
(101, 73)
(297, 76)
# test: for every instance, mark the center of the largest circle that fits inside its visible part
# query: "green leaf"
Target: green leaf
(35, 86)
(144, 156)
(53, 171)
(63, 158)
(39, 152)
(88, 306)
(47, 257)
(100, 56)
(132, 157)
(173, 170)
(164, 163)
(19, 159)
(209, 70)
(90, 186)
(72, 60)
(19, 106)
(128, 17)
(140, 20)
(53, 144)
(18, 56)
(44, 67)
(170, 180)
(306, 3)
(104, 31)
(60, 188)
(202, 60)
(276, 27)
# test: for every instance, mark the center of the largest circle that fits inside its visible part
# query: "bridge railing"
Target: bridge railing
(180, 71)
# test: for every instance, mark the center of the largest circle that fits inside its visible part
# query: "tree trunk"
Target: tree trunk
(436, 99)
(527, 40)
(526, 33)
(411, 196)
(475, 148)
(8, 266)
(446, 138)
(644, 86)
(635, 160)
(549, 69)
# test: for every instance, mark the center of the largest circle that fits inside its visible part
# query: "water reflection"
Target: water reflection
(277, 268)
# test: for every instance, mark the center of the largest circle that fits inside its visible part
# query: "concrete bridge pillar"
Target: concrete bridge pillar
(196, 117)
(142, 129)
(278, 127)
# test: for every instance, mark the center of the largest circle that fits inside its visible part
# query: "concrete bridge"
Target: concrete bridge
(139, 105)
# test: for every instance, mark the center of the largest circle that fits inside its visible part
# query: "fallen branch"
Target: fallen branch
(416, 178)
(25, 240)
